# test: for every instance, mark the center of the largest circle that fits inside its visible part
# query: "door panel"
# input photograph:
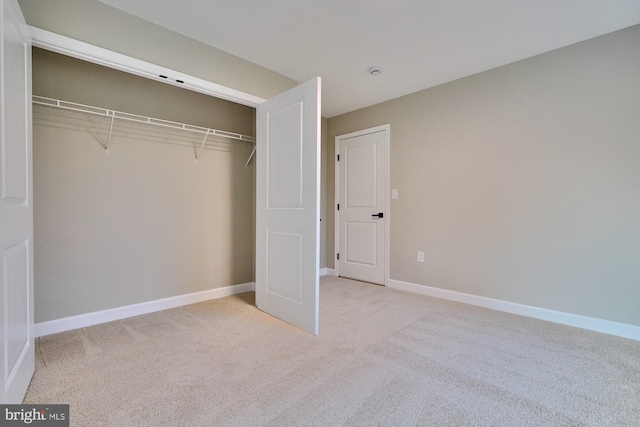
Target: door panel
(16, 211)
(284, 273)
(14, 156)
(362, 192)
(288, 206)
(285, 145)
(15, 271)
(361, 242)
(360, 180)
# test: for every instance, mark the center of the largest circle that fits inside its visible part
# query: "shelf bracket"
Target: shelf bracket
(202, 146)
(106, 151)
(246, 165)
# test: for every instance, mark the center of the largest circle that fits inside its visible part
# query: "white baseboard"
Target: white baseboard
(327, 272)
(599, 325)
(103, 316)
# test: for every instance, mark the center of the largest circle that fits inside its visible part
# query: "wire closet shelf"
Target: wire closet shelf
(112, 114)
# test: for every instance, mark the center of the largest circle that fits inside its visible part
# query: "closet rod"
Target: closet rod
(112, 114)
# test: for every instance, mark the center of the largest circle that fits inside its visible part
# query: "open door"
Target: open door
(16, 207)
(288, 206)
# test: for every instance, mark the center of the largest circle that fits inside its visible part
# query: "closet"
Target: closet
(141, 190)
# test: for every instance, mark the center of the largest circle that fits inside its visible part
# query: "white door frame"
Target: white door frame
(387, 140)
(97, 55)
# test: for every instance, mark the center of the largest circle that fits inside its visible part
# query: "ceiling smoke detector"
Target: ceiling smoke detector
(375, 70)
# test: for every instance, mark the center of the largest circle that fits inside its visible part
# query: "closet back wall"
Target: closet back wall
(144, 222)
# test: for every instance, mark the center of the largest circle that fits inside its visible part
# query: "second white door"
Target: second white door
(362, 205)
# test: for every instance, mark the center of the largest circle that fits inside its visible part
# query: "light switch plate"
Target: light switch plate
(394, 194)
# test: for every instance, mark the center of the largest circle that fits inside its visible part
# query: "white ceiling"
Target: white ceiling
(419, 43)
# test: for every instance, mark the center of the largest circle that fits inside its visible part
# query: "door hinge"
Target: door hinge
(338, 256)
(338, 206)
(338, 157)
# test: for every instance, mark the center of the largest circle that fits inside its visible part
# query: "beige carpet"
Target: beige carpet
(383, 357)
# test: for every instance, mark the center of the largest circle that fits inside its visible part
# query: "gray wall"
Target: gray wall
(96, 23)
(144, 222)
(521, 183)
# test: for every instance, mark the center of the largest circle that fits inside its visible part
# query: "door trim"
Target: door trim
(387, 140)
(87, 52)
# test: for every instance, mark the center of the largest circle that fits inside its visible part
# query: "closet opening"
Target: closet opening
(123, 213)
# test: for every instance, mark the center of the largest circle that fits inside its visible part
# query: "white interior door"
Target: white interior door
(16, 206)
(288, 206)
(362, 205)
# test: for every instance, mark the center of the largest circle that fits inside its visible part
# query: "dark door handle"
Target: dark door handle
(380, 215)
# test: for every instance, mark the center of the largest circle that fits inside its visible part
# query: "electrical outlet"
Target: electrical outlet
(420, 256)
